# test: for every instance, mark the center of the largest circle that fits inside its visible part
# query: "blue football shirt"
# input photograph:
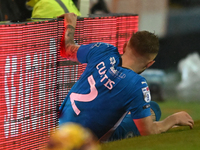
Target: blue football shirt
(105, 92)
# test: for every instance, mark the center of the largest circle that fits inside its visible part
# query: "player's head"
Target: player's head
(143, 48)
(144, 43)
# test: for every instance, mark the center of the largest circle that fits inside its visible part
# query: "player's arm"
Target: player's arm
(68, 47)
(146, 126)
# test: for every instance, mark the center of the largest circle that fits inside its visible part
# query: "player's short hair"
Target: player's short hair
(144, 42)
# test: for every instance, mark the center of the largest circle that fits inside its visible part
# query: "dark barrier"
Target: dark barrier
(34, 79)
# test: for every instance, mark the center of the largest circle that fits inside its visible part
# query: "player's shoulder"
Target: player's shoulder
(140, 88)
(98, 48)
(141, 81)
(132, 75)
(101, 49)
(91, 53)
(136, 79)
(101, 45)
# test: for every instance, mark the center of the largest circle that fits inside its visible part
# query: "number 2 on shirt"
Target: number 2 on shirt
(84, 97)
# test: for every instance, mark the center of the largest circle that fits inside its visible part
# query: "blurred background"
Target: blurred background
(176, 73)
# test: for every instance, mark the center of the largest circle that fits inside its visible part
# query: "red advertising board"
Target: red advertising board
(34, 79)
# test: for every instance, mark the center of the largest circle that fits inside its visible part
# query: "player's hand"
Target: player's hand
(184, 119)
(70, 19)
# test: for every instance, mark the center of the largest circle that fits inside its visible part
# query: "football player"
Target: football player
(111, 85)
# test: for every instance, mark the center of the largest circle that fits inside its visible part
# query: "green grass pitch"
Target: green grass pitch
(180, 138)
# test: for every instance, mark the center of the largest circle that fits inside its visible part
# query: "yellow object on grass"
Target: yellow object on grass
(71, 136)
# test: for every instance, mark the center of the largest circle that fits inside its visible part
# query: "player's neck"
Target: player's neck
(129, 63)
